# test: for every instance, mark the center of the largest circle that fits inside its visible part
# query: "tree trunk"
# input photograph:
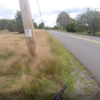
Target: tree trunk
(94, 31)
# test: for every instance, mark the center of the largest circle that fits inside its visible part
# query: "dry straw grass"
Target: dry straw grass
(17, 67)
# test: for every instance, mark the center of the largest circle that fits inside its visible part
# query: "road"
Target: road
(86, 49)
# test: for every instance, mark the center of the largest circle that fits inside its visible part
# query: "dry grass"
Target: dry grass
(17, 67)
(21, 76)
(4, 31)
(24, 78)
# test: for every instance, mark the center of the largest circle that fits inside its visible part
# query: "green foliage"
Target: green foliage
(48, 28)
(71, 27)
(41, 25)
(19, 23)
(8, 24)
(14, 24)
(89, 20)
(89, 31)
(35, 25)
(56, 27)
(63, 19)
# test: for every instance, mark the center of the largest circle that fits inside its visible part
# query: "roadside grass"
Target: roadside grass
(81, 33)
(62, 30)
(24, 78)
(85, 33)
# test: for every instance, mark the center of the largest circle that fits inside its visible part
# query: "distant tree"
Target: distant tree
(11, 25)
(8, 24)
(71, 27)
(56, 27)
(19, 24)
(41, 25)
(89, 19)
(3, 24)
(35, 25)
(48, 28)
(63, 19)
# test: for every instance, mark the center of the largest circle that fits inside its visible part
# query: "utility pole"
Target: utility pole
(28, 27)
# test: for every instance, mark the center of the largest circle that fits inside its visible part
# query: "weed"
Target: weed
(15, 68)
(10, 83)
(94, 82)
(42, 44)
(6, 54)
(82, 67)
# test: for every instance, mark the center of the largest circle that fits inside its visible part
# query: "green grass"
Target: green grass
(62, 30)
(85, 33)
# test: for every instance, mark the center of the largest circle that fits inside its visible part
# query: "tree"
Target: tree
(56, 27)
(35, 25)
(8, 24)
(41, 25)
(63, 19)
(19, 23)
(71, 27)
(11, 26)
(3, 24)
(89, 19)
(48, 28)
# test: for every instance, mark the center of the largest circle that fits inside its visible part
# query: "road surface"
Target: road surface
(86, 49)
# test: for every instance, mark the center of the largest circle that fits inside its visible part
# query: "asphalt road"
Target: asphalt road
(86, 49)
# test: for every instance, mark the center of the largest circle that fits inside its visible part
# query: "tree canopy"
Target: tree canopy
(56, 27)
(63, 19)
(41, 25)
(35, 25)
(71, 27)
(90, 19)
(8, 24)
(15, 24)
(19, 23)
(12, 24)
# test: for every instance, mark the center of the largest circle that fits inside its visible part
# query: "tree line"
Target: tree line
(16, 24)
(88, 21)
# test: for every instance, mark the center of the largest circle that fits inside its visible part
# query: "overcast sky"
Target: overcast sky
(50, 8)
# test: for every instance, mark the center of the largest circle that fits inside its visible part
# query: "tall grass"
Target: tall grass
(23, 78)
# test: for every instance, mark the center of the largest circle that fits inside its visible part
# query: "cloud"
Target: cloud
(49, 18)
(6, 13)
(50, 9)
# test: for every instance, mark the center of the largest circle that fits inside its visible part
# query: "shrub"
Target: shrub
(89, 31)
(71, 27)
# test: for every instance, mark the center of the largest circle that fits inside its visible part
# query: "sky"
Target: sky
(50, 9)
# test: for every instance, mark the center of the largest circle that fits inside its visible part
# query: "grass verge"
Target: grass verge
(82, 33)
(85, 33)
(23, 78)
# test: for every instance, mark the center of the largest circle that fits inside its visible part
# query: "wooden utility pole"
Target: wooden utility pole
(28, 27)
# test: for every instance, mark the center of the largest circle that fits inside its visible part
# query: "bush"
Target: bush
(71, 27)
(89, 31)
(56, 27)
